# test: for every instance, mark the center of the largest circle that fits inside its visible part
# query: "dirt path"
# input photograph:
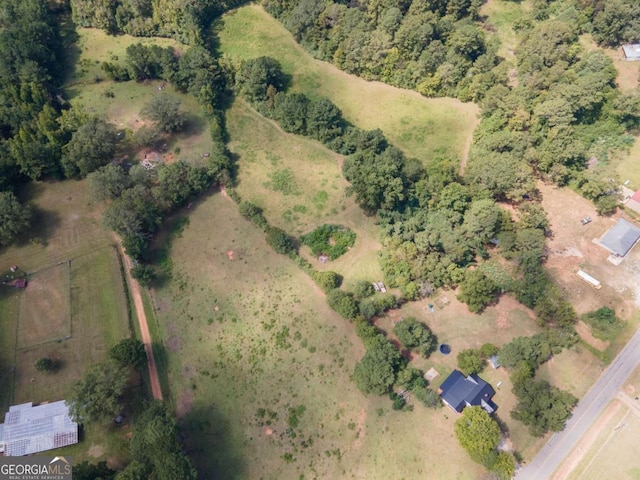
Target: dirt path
(136, 295)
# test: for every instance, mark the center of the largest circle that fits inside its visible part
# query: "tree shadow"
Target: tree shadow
(207, 435)
(71, 51)
(43, 225)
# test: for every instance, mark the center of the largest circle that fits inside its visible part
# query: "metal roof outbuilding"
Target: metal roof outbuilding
(28, 429)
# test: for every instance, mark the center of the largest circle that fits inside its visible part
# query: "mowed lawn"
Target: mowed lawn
(260, 369)
(422, 127)
(454, 325)
(77, 284)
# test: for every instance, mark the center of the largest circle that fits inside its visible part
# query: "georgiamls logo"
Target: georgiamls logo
(35, 468)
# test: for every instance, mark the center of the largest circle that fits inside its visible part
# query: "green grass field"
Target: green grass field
(249, 338)
(84, 298)
(615, 453)
(298, 183)
(422, 127)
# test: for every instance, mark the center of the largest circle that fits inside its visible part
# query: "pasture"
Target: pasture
(45, 310)
(74, 308)
(299, 185)
(260, 369)
(423, 127)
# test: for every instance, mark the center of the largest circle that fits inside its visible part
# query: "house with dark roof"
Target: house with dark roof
(28, 429)
(458, 391)
(631, 51)
(621, 238)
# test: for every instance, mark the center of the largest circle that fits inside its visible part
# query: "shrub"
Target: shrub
(603, 322)
(144, 274)
(45, 365)
(280, 241)
(254, 214)
(343, 303)
(470, 361)
(330, 240)
(363, 289)
(327, 281)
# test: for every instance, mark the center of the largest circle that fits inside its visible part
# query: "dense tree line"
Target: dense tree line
(187, 22)
(435, 47)
(564, 112)
(613, 22)
(31, 139)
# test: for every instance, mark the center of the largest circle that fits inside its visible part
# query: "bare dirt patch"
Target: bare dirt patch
(572, 248)
(173, 343)
(360, 428)
(95, 451)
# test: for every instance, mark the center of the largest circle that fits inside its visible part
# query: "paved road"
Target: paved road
(136, 295)
(560, 444)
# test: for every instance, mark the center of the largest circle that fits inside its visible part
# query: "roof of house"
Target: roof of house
(631, 51)
(459, 391)
(636, 196)
(621, 237)
(28, 429)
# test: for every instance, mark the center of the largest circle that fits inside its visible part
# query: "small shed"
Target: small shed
(631, 51)
(621, 238)
(20, 283)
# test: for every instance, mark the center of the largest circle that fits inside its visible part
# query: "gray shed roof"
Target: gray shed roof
(632, 51)
(28, 429)
(621, 237)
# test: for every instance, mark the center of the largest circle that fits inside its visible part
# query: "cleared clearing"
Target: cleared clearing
(424, 128)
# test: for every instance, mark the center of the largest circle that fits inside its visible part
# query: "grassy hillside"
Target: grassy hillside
(254, 339)
(422, 127)
(299, 185)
